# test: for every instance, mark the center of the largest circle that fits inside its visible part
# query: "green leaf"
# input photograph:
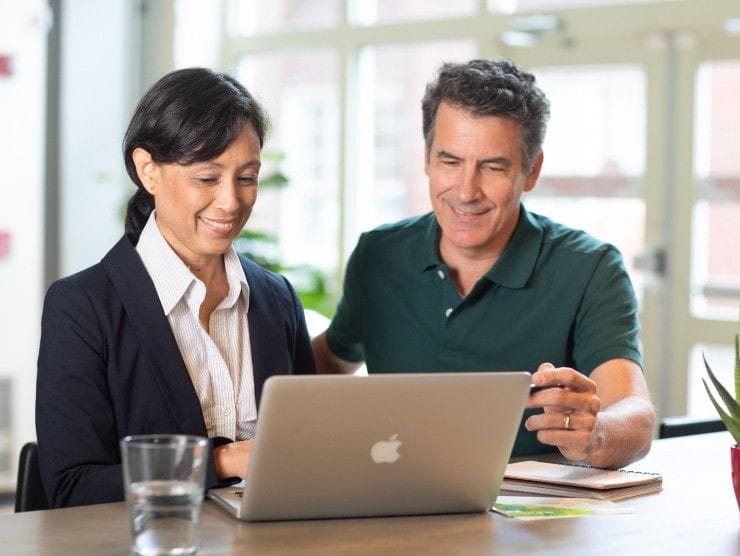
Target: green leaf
(733, 425)
(276, 179)
(732, 406)
(273, 155)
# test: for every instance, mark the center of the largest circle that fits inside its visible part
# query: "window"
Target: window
(513, 6)
(715, 263)
(299, 91)
(256, 17)
(390, 184)
(371, 12)
(595, 154)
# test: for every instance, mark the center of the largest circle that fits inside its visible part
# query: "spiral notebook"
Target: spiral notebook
(558, 479)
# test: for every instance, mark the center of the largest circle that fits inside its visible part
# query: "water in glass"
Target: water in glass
(164, 516)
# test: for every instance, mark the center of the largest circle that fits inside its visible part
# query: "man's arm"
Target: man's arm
(605, 420)
(329, 363)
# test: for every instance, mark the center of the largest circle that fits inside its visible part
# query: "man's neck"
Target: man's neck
(466, 268)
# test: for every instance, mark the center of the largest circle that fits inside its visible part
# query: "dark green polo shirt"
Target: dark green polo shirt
(555, 294)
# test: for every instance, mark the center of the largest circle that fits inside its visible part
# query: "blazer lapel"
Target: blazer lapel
(140, 299)
(266, 335)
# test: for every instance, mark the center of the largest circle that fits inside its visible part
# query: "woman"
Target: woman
(172, 332)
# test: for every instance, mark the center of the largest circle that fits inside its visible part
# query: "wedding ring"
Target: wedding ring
(566, 421)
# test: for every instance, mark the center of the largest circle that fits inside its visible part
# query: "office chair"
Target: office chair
(29, 490)
(684, 426)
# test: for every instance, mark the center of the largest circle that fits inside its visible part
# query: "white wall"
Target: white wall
(23, 38)
(97, 92)
(97, 95)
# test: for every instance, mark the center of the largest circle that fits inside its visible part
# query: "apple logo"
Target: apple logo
(386, 451)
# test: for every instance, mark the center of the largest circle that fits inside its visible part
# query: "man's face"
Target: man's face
(476, 179)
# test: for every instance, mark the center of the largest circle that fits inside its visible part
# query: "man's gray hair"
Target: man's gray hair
(490, 88)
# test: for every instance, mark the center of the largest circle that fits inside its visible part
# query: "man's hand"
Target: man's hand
(606, 420)
(232, 460)
(571, 406)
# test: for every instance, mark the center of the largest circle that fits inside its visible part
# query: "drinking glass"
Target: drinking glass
(163, 476)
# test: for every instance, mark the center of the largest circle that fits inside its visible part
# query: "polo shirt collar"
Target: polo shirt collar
(427, 254)
(519, 258)
(516, 263)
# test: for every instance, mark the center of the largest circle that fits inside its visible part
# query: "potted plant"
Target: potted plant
(729, 412)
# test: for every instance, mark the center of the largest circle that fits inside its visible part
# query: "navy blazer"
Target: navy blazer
(109, 366)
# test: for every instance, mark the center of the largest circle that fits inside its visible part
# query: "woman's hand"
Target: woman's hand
(232, 460)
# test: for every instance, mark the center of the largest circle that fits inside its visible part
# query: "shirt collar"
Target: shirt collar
(237, 280)
(519, 258)
(427, 254)
(171, 276)
(516, 263)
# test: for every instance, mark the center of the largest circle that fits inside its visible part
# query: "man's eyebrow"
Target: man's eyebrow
(500, 160)
(445, 154)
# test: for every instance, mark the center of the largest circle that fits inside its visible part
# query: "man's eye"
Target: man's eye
(450, 162)
(248, 180)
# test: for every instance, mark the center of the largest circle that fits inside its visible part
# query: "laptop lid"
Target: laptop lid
(397, 444)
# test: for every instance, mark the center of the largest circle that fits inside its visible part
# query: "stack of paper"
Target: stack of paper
(555, 479)
(529, 508)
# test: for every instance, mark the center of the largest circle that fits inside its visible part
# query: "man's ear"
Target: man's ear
(534, 173)
(146, 169)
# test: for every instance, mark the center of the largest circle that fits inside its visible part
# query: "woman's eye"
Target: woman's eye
(248, 180)
(206, 180)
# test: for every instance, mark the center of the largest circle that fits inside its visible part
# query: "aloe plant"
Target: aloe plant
(730, 413)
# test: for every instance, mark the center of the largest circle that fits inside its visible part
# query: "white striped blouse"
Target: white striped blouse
(219, 363)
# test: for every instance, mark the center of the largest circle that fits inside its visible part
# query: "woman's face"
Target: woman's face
(202, 207)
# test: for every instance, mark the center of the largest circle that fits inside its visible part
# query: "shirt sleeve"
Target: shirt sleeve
(606, 322)
(344, 334)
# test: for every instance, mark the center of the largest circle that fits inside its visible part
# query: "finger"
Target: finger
(550, 421)
(556, 421)
(565, 399)
(563, 377)
(572, 444)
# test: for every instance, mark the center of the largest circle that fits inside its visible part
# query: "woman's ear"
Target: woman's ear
(146, 169)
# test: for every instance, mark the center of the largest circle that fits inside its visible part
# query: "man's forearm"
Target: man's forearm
(327, 362)
(623, 433)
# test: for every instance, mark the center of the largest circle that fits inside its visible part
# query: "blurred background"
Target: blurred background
(643, 149)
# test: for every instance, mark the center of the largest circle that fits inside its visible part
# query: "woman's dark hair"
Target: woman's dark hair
(190, 115)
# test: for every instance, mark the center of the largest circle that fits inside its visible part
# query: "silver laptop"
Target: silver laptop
(382, 445)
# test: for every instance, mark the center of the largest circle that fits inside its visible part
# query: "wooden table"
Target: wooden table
(695, 514)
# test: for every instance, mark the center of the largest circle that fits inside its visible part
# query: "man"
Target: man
(483, 284)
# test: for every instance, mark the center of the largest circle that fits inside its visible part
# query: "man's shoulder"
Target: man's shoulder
(411, 229)
(566, 240)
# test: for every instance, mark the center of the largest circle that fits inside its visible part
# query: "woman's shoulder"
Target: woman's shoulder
(95, 280)
(260, 277)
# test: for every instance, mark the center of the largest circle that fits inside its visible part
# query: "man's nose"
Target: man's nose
(469, 185)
